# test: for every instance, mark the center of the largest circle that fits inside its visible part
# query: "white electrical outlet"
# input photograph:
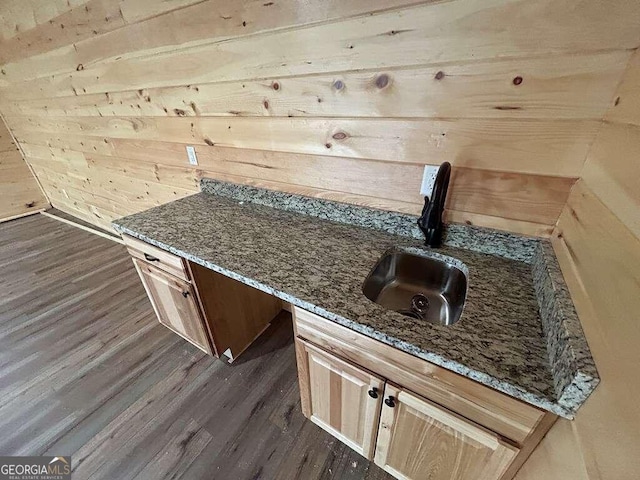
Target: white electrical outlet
(428, 179)
(191, 153)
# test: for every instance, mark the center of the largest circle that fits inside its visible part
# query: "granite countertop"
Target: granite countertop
(517, 333)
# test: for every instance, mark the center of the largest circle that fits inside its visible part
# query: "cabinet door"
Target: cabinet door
(175, 304)
(344, 400)
(421, 440)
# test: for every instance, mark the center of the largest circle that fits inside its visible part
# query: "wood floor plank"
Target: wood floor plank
(86, 370)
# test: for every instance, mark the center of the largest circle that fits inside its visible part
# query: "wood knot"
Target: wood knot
(328, 145)
(275, 86)
(208, 142)
(266, 104)
(517, 80)
(382, 80)
(439, 75)
(79, 67)
(339, 136)
(616, 102)
(179, 112)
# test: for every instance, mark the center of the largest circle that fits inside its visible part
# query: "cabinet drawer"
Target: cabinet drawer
(494, 410)
(157, 257)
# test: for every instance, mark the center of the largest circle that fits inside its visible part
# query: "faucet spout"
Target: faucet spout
(430, 222)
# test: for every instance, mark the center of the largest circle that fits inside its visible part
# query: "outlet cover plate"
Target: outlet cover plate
(428, 179)
(191, 153)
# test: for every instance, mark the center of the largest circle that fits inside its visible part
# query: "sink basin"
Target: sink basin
(426, 288)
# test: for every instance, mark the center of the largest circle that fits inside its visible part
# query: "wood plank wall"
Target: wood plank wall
(344, 100)
(597, 241)
(19, 190)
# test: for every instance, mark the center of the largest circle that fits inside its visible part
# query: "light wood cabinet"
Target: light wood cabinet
(157, 257)
(418, 439)
(345, 400)
(428, 423)
(217, 314)
(175, 304)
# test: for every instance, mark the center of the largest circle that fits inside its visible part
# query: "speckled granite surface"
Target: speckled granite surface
(478, 239)
(320, 265)
(574, 372)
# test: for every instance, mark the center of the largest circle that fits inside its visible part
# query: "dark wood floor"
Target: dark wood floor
(87, 371)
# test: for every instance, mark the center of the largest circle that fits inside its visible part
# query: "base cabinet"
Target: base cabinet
(217, 314)
(414, 419)
(175, 304)
(418, 439)
(405, 434)
(344, 400)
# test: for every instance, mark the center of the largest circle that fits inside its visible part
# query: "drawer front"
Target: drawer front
(157, 257)
(500, 413)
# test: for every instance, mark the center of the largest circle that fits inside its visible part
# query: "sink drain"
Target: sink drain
(419, 307)
(420, 303)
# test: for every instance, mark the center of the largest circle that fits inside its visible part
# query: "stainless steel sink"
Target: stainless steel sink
(422, 287)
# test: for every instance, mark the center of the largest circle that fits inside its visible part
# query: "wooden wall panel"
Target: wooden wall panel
(597, 241)
(496, 144)
(600, 259)
(455, 31)
(612, 171)
(343, 100)
(626, 104)
(204, 22)
(90, 19)
(19, 191)
(569, 86)
(23, 15)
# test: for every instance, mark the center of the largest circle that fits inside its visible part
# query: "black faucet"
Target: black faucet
(430, 222)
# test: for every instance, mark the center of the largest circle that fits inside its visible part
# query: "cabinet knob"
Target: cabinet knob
(185, 294)
(390, 402)
(373, 393)
(151, 258)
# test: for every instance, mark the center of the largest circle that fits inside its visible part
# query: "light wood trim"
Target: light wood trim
(113, 238)
(20, 215)
(492, 465)
(302, 362)
(336, 401)
(530, 444)
(165, 261)
(498, 412)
